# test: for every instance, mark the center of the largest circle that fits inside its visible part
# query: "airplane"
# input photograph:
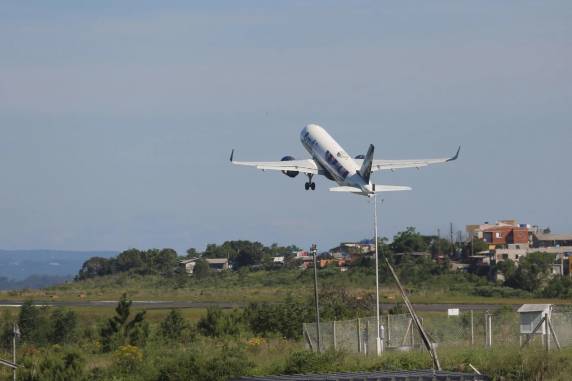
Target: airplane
(330, 160)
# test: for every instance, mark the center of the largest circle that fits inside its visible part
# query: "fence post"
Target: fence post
(366, 341)
(546, 333)
(358, 336)
(335, 341)
(488, 330)
(472, 329)
(388, 331)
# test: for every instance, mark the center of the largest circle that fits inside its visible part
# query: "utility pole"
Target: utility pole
(378, 323)
(438, 242)
(314, 250)
(452, 240)
(15, 333)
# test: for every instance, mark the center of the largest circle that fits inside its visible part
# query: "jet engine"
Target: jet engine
(360, 157)
(289, 173)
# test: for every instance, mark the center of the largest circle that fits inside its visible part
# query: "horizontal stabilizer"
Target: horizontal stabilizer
(345, 189)
(377, 189)
(390, 188)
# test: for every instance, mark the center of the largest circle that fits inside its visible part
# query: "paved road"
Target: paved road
(160, 304)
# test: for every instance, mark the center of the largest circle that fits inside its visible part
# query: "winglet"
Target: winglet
(232, 156)
(456, 155)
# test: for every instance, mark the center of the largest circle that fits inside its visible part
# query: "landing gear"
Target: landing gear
(310, 185)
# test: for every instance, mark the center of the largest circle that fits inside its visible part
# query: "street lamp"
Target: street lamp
(314, 251)
(378, 342)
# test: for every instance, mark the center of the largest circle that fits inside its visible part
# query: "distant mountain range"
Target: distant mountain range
(40, 268)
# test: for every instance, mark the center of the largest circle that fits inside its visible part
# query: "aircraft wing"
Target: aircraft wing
(380, 165)
(304, 166)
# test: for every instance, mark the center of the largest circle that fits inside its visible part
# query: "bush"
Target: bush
(174, 327)
(54, 366)
(558, 287)
(128, 358)
(33, 323)
(312, 362)
(63, 326)
(228, 363)
(217, 324)
(119, 330)
(285, 319)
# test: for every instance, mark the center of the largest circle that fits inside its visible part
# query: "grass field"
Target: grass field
(263, 286)
(270, 355)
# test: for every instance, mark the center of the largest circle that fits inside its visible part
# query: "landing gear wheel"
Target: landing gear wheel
(310, 184)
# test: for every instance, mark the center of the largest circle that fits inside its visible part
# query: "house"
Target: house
(215, 264)
(333, 262)
(502, 234)
(458, 266)
(552, 240)
(278, 260)
(352, 252)
(346, 249)
(305, 261)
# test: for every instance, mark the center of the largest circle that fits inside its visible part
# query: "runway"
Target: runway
(169, 304)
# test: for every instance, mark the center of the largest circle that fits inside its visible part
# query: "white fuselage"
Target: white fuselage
(332, 158)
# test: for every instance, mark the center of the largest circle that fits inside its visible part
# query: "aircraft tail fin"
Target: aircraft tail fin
(365, 170)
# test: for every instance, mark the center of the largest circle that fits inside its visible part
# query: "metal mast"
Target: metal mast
(377, 317)
(314, 251)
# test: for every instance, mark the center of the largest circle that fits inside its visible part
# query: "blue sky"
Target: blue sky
(116, 122)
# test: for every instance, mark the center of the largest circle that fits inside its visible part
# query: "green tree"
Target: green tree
(63, 326)
(33, 323)
(174, 326)
(118, 330)
(558, 287)
(216, 323)
(284, 318)
(55, 366)
(6, 329)
(164, 261)
(408, 241)
(439, 246)
(95, 266)
(201, 269)
(532, 272)
(131, 259)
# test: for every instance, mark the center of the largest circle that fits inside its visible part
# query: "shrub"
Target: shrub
(174, 327)
(285, 319)
(119, 330)
(63, 326)
(33, 323)
(558, 287)
(128, 358)
(54, 366)
(312, 362)
(228, 363)
(217, 324)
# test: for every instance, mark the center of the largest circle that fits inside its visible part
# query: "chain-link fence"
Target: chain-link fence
(469, 328)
